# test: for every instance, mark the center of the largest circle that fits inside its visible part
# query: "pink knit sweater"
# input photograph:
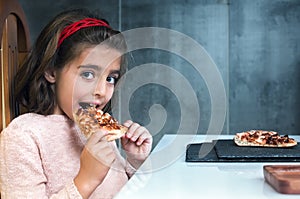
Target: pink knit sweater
(39, 157)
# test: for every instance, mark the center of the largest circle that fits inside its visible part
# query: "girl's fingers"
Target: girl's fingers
(132, 131)
(128, 123)
(137, 133)
(142, 138)
(100, 149)
(97, 136)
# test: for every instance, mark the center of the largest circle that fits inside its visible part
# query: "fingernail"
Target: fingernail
(128, 135)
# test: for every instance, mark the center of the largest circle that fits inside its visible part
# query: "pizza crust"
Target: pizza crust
(116, 134)
(261, 138)
(91, 119)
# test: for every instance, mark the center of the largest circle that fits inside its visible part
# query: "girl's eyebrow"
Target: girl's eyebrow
(97, 68)
(115, 72)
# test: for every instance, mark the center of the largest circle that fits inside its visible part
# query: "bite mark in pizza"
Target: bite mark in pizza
(263, 139)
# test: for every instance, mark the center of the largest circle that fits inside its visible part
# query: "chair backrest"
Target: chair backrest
(15, 42)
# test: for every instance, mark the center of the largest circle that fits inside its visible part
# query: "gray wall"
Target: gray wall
(254, 43)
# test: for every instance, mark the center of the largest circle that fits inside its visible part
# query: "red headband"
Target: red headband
(87, 22)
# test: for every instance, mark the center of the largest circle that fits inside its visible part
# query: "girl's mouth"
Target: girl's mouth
(86, 105)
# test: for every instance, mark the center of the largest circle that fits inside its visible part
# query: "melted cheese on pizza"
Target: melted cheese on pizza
(263, 138)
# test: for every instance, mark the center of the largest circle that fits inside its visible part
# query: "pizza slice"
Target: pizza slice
(263, 138)
(90, 119)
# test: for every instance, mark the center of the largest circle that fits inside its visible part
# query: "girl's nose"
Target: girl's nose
(100, 88)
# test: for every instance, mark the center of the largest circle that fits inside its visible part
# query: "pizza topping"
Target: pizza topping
(106, 120)
(90, 119)
(263, 138)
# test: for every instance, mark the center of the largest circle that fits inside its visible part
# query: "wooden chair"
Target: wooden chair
(15, 42)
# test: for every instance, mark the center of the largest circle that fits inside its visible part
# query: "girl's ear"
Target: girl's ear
(50, 76)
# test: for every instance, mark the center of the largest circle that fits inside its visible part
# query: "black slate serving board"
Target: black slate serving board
(192, 153)
(228, 151)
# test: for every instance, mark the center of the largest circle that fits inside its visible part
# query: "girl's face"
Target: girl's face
(90, 78)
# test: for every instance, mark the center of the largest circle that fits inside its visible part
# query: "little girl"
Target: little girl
(77, 57)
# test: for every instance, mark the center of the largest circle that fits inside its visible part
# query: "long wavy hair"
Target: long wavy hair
(32, 89)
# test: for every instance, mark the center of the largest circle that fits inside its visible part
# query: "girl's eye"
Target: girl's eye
(112, 80)
(87, 75)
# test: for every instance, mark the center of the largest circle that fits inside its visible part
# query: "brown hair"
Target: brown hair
(33, 91)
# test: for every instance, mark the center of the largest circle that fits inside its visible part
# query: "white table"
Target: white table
(171, 177)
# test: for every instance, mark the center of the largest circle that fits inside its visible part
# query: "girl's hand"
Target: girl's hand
(95, 161)
(137, 143)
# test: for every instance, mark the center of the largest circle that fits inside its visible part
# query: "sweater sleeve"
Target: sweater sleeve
(21, 170)
(130, 170)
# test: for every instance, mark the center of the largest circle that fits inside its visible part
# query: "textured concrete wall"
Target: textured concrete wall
(264, 68)
(254, 43)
